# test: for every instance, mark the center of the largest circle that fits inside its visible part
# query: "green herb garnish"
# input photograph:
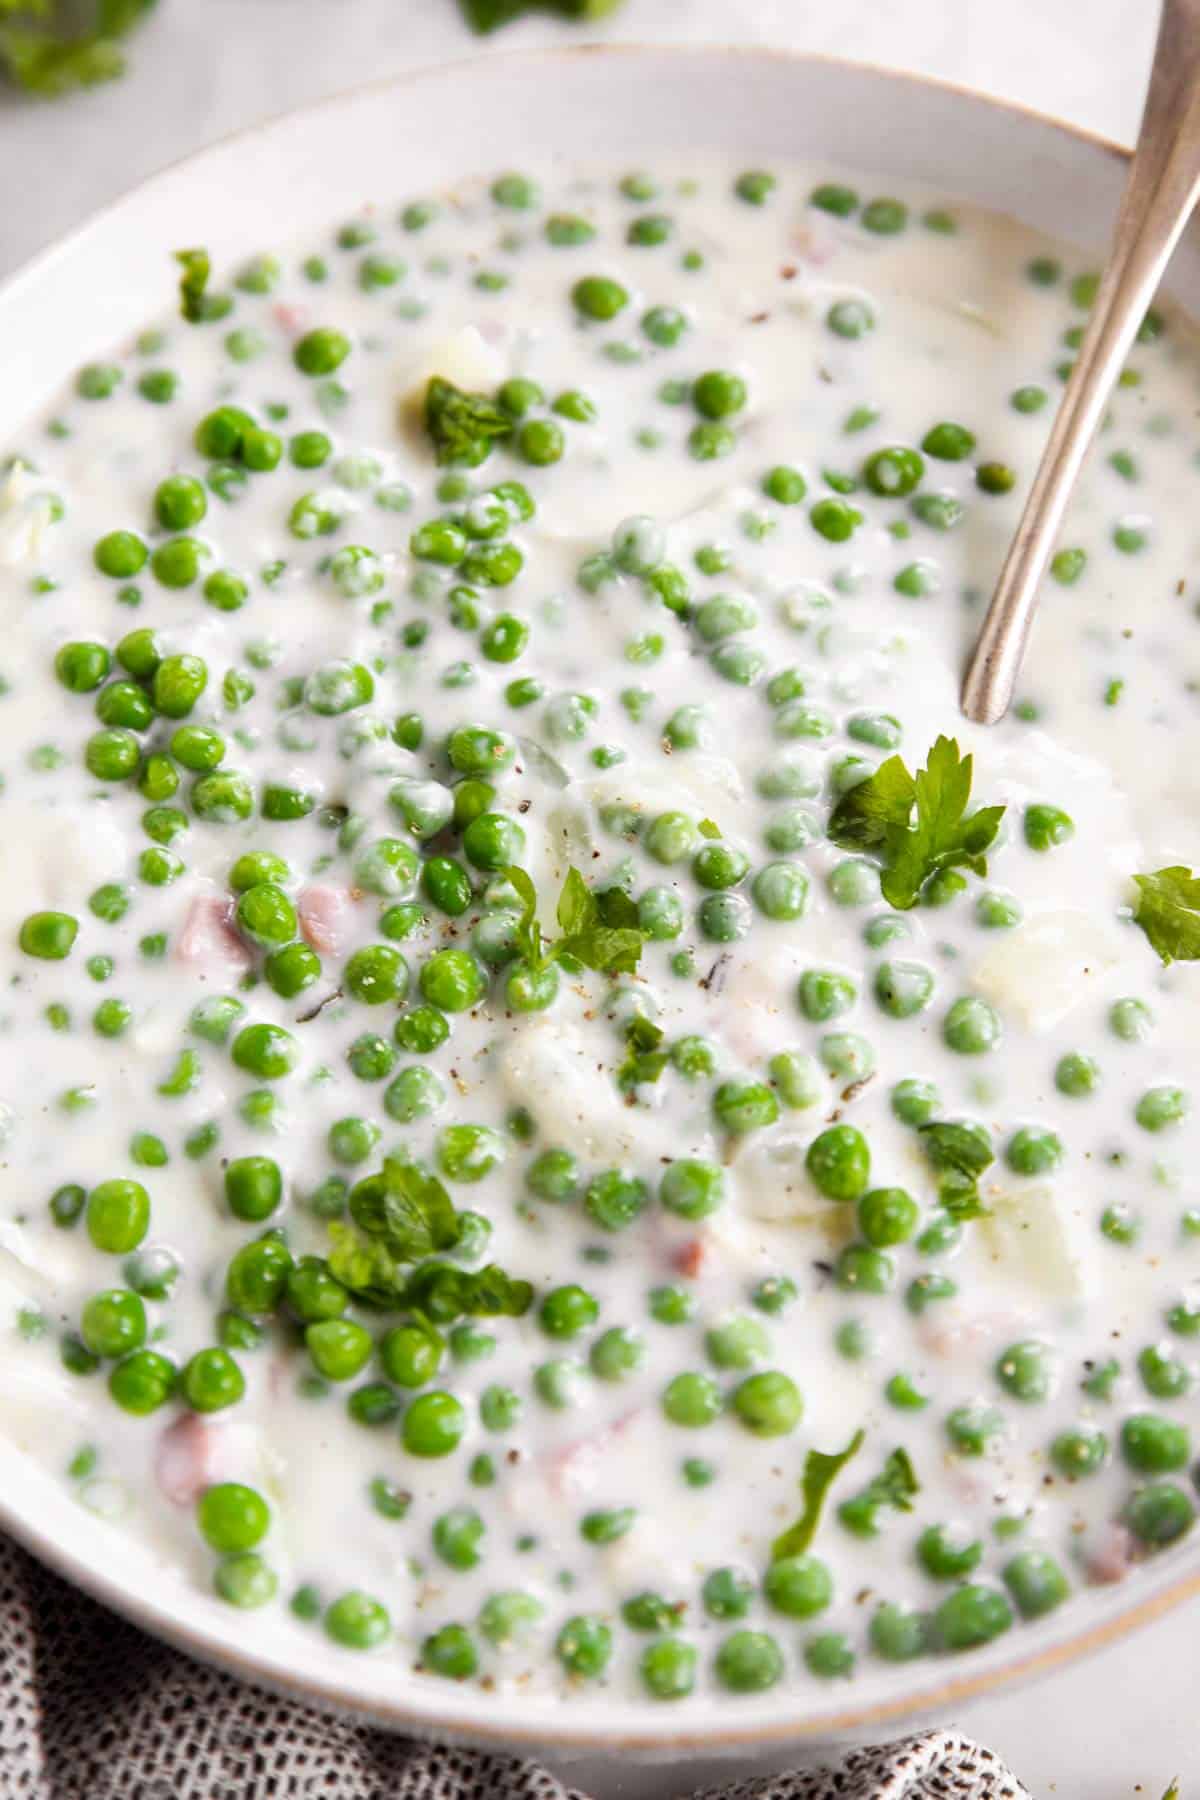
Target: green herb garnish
(44, 50)
(644, 1061)
(917, 825)
(196, 304)
(894, 1486)
(462, 427)
(960, 1154)
(1168, 911)
(404, 1216)
(600, 931)
(821, 1470)
(489, 15)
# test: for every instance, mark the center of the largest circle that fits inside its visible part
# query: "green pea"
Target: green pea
(113, 1323)
(321, 351)
(584, 1646)
(117, 1215)
(142, 1382)
(769, 1404)
(1036, 1583)
(903, 989)
(742, 1106)
(568, 1310)
(1076, 1075)
(267, 1051)
(1159, 1513)
(434, 1425)
(1026, 1370)
(253, 1187)
(748, 1662)
(614, 1199)
(1079, 1452)
(1161, 1107)
(973, 1615)
(617, 1354)
(554, 1176)
(887, 1216)
(357, 1621)
(1033, 1151)
(458, 1537)
(599, 297)
(232, 1517)
(1149, 1443)
(48, 936)
(692, 1400)
(825, 994)
(972, 1429)
(971, 1026)
(1046, 827)
(839, 1162)
(211, 1381)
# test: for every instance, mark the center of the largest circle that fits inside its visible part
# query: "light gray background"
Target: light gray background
(1123, 1724)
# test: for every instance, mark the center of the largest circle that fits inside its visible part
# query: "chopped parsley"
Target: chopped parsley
(47, 49)
(960, 1153)
(1168, 911)
(821, 1470)
(462, 427)
(600, 931)
(918, 825)
(894, 1486)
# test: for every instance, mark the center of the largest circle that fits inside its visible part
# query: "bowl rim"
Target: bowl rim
(419, 1710)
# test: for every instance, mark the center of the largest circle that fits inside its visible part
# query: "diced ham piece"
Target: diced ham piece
(183, 1460)
(815, 240)
(689, 1257)
(573, 1467)
(290, 318)
(210, 936)
(1111, 1558)
(951, 1337)
(324, 917)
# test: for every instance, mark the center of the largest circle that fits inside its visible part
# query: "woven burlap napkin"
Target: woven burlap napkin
(91, 1709)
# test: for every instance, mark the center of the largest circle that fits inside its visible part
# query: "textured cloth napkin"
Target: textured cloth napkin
(92, 1709)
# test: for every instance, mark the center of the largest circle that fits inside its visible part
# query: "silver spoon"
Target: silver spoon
(1160, 191)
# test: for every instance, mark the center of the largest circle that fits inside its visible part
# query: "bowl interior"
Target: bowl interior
(291, 177)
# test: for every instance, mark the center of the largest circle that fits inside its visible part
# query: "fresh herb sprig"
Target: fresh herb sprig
(895, 1486)
(599, 931)
(462, 427)
(821, 1470)
(960, 1153)
(484, 16)
(403, 1217)
(918, 825)
(1168, 911)
(44, 51)
(196, 304)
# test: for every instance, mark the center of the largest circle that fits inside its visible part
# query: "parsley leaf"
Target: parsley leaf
(403, 1215)
(196, 305)
(894, 1486)
(644, 1061)
(461, 426)
(1168, 911)
(821, 1470)
(489, 15)
(447, 1293)
(43, 51)
(407, 1210)
(960, 1153)
(599, 930)
(917, 825)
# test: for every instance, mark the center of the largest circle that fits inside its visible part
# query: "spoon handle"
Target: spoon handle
(1160, 192)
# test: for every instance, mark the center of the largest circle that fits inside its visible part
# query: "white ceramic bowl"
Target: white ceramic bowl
(289, 178)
